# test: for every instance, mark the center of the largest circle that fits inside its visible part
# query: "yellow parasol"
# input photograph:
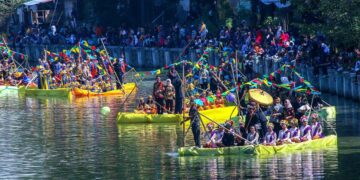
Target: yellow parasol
(261, 97)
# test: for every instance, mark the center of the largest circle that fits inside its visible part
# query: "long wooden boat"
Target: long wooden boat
(58, 93)
(328, 141)
(8, 90)
(127, 88)
(219, 115)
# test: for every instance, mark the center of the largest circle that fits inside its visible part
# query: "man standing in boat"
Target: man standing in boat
(120, 69)
(194, 118)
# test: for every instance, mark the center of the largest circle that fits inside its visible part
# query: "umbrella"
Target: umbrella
(199, 102)
(230, 97)
(260, 97)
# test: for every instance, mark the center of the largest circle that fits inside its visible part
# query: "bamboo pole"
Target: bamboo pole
(183, 100)
(237, 135)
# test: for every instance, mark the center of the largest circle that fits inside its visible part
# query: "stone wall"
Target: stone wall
(137, 57)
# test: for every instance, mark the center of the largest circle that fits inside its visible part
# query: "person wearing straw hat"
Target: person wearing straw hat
(316, 127)
(305, 129)
(294, 131)
(284, 133)
(270, 136)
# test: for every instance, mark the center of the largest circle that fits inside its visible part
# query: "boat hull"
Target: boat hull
(57, 93)
(218, 115)
(328, 141)
(127, 88)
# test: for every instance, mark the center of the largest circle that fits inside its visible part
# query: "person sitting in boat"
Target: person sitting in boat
(211, 102)
(252, 137)
(151, 103)
(270, 136)
(231, 122)
(305, 129)
(219, 102)
(316, 127)
(204, 100)
(210, 136)
(284, 134)
(289, 112)
(275, 116)
(25, 80)
(228, 137)
(294, 131)
(299, 102)
(242, 132)
(303, 109)
(141, 105)
(169, 96)
(219, 135)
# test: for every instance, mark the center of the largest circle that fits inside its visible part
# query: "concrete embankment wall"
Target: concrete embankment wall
(343, 84)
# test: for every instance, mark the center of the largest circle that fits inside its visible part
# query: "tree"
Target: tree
(7, 7)
(339, 20)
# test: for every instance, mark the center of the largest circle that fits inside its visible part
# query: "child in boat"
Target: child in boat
(219, 102)
(284, 134)
(141, 105)
(151, 104)
(316, 127)
(252, 137)
(210, 136)
(270, 136)
(294, 131)
(219, 135)
(243, 134)
(305, 129)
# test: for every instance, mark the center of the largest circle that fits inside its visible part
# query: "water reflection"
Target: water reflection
(308, 164)
(68, 139)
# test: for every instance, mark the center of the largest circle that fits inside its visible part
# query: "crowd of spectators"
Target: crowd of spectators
(263, 43)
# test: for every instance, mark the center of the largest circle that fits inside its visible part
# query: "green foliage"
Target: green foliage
(229, 23)
(7, 7)
(338, 19)
(270, 21)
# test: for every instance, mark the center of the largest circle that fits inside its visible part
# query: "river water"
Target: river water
(68, 139)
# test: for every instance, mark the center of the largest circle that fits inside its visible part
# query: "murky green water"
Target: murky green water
(54, 138)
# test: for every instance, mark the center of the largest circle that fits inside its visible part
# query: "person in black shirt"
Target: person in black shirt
(194, 118)
(178, 96)
(228, 137)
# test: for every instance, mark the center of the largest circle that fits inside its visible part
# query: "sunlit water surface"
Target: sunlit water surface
(55, 138)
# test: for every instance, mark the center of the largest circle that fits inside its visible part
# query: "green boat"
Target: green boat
(323, 143)
(58, 93)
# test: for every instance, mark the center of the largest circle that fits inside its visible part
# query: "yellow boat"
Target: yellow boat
(328, 141)
(127, 88)
(219, 115)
